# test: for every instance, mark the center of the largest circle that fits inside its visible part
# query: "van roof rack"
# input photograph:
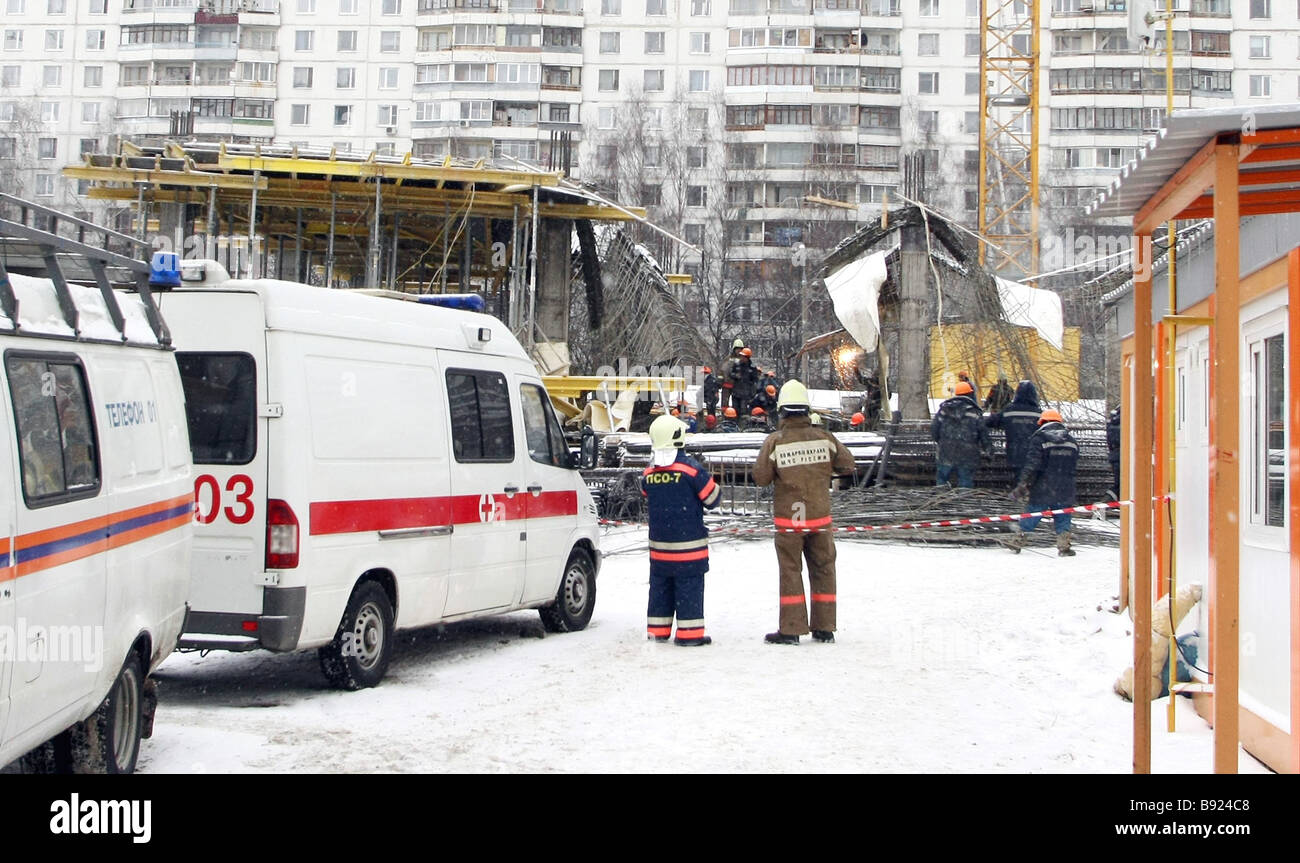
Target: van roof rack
(46, 250)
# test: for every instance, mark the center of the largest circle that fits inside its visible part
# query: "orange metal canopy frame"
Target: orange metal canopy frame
(1222, 164)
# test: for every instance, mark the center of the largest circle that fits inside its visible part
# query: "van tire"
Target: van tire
(576, 598)
(108, 741)
(358, 656)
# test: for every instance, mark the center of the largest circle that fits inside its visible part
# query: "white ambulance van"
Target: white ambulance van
(366, 464)
(96, 503)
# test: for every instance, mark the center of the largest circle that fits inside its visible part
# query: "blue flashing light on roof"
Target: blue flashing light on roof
(466, 302)
(165, 270)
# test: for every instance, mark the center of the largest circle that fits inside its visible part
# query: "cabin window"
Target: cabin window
(545, 439)
(220, 406)
(56, 434)
(481, 425)
(1267, 359)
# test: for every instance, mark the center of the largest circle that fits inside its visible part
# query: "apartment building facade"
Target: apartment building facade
(749, 127)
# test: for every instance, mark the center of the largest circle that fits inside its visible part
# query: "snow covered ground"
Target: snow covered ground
(947, 660)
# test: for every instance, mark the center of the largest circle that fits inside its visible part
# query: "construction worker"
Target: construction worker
(757, 421)
(729, 420)
(958, 427)
(1047, 481)
(709, 390)
(710, 422)
(857, 421)
(728, 379)
(677, 489)
(1000, 395)
(1019, 420)
(765, 399)
(1113, 439)
(744, 380)
(801, 459)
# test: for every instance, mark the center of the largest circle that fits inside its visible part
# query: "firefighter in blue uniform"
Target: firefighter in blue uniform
(677, 490)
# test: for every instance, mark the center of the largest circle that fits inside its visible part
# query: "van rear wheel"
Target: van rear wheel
(576, 598)
(108, 741)
(358, 656)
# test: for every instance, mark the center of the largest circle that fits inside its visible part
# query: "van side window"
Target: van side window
(545, 439)
(56, 435)
(220, 406)
(481, 425)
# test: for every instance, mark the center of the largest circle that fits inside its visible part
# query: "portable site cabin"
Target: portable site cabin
(1218, 412)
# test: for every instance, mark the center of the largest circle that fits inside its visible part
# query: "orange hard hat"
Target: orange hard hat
(746, 352)
(771, 390)
(1050, 416)
(858, 419)
(710, 420)
(729, 412)
(676, 412)
(963, 388)
(757, 412)
(707, 370)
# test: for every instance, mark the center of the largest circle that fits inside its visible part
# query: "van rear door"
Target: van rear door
(552, 493)
(221, 353)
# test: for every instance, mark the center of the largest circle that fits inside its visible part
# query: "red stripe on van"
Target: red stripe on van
(354, 516)
(358, 516)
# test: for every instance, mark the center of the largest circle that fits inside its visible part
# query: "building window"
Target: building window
(8, 148)
(390, 41)
(50, 112)
(927, 121)
(701, 8)
(1261, 86)
(654, 42)
(342, 115)
(1261, 9)
(345, 78)
(699, 43)
(929, 8)
(656, 7)
(927, 44)
(44, 189)
(13, 40)
(47, 148)
(388, 76)
(98, 7)
(928, 82)
(697, 157)
(302, 77)
(93, 76)
(651, 195)
(611, 7)
(94, 40)
(52, 76)
(90, 112)
(697, 196)
(299, 115)
(392, 7)
(609, 42)
(347, 7)
(1259, 47)
(698, 81)
(347, 40)
(306, 7)
(387, 116)
(1268, 433)
(607, 80)
(53, 40)
(972, 83)
(303, 39)
(605, 118)
(971, 122)
(972, 44)
(654, 80)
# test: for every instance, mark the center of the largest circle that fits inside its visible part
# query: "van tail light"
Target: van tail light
(281, 536)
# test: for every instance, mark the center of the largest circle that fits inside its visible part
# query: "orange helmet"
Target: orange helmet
(771, 390)
(711, 420)
(757, 412)
(707, 370)
(964, 388)
(1050, 416)
(730, 413)
(857, 419)
(746, 352)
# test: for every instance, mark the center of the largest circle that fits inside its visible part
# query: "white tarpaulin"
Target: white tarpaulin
(855, 292)
(1032, 307)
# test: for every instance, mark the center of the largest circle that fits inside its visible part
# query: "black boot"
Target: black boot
(780, 638)
(825, 636)
(693, 642)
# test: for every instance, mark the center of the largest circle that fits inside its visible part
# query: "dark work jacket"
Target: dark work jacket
(1113, 437)
(676, 497)
(958, 427)
(1049, 467)
(711, 387)
(1019, 420)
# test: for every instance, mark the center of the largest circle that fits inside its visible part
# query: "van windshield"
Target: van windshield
(220, 406)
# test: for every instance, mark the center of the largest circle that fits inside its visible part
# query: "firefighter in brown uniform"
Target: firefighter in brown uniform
(802, 458)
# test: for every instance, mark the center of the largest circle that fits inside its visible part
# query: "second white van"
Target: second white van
(365, 464)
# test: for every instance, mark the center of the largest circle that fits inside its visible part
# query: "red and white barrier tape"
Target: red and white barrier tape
(955, 522)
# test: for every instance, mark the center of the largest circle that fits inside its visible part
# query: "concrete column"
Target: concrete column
(554, 242)
(914, 289)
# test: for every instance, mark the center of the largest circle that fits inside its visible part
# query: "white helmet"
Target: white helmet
(793, 398)
(667, 435)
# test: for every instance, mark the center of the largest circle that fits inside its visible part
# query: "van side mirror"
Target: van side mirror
(585, 459)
